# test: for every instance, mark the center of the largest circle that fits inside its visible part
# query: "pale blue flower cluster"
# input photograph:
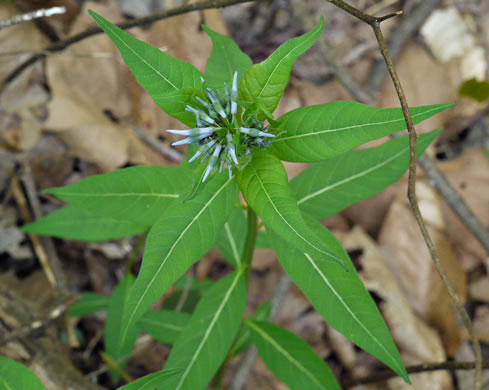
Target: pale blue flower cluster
(222, 136)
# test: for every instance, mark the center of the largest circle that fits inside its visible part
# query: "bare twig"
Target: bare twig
(374, 22)
(61, 45)
(417, 369)
(27, 17)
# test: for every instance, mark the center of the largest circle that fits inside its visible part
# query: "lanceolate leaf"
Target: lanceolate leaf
(14, 376)
(265, 83)
(290, 358)
(136, 194)
(115, 347)
(76, 224)
(89, 303)
(180, 238)
(149, 382)
(232, 238)
(265, 187)
(339, 296)
(225, 59)
(328, 187)
(204, 344)
(317, 133)
(164, 325)
(157, 72)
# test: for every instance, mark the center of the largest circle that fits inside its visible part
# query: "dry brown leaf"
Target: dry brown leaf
(418, 343)
(469, 174)
(481, 323)
(479, 290)
(86, 81)
(408, 258)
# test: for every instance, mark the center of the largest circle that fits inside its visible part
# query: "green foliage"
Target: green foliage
(339, 296)
(328, 187)
(158, 73)
(225, 59)
(73, 223)
(290, 358)
(186, 215)
(115, 346)
(202, 346)
(243, 339)
(264, 84)
(265, 187)
(317, 133)
(14, 375)
(178, 239)
(136, 194)
(164, 325)
(89, 303)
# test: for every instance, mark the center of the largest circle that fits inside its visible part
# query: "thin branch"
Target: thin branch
(374, 22)
(61, 45)
(27, 17)
(417, 369)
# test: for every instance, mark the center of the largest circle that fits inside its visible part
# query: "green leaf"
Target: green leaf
(180, 238)
(204, 344)
(157, 72)
(262, 240)
(290, 358)
(115, 346)
(175, 103)
(225, 59)
(475, 89)
(243, 339)
(16, 376)
(339, 296)
(316, 133)
(232, 237)
(136, 194)
(163, 325)
(328, 187)
(265, 187)
(72, 223)
(89, 304)
(149, 382)
(265, 82)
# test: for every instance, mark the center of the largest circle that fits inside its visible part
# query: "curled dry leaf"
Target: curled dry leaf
(408, 258)
(417, 342)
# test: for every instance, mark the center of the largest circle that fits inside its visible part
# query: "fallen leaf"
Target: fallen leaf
(417, 342)
(407, 257)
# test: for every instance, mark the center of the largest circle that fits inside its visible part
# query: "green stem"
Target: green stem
(250, 241)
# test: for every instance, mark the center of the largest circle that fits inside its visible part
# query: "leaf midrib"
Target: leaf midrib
(120, 195)
(283, 219)
(349, 179)
(180, 236)
(232, 242)
(338, 296)
(279, 348)
(278, 64)
(280, 139)
(211, 326)
(115, 32)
